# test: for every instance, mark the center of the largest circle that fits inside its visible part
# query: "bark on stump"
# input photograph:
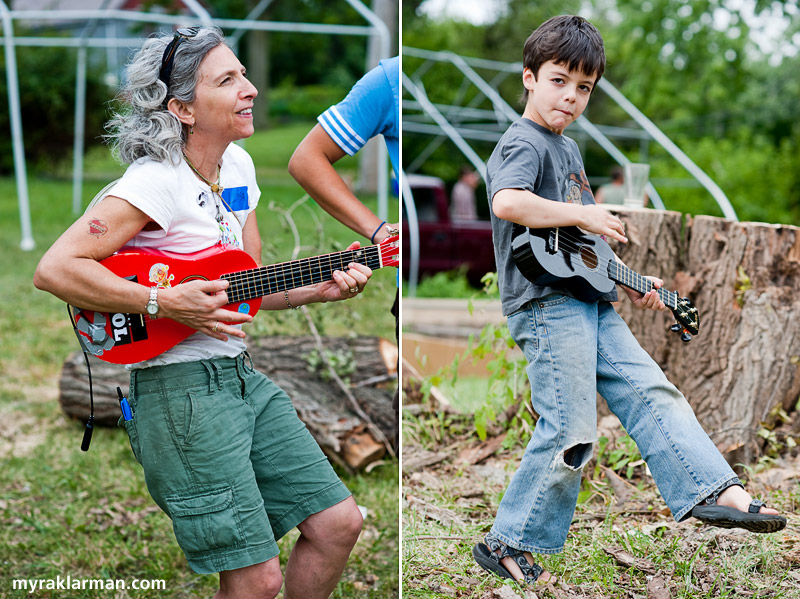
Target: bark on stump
(288, 361)
(741, 374)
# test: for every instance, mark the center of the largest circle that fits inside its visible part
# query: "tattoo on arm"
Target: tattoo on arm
(97, 227)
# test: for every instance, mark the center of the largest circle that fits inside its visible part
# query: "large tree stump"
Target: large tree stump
(743, 368)
(293, 363)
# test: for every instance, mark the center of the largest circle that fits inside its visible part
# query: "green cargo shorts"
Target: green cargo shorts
(226, 457)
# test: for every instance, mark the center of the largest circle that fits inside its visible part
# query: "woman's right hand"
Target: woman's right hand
(199, 304)
(601, 222)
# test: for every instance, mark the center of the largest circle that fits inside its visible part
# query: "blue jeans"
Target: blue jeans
(575, 349)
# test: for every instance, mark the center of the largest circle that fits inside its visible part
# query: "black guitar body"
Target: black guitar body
(572, 260)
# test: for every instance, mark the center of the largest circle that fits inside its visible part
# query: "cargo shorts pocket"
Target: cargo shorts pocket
(206, 521)
(133, 436)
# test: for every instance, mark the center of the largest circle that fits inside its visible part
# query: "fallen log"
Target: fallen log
(366, 363)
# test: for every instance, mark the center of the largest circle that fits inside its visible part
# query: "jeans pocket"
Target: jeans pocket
(551, 299)
(522, 326)
(133, 436)
(205, 521)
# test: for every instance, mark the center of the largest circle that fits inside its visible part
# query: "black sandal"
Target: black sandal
(728, 517)
(487, 556)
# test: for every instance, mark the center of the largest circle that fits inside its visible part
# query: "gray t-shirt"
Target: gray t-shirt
(533, 158)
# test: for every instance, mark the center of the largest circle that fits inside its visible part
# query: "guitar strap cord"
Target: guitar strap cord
(87, 432)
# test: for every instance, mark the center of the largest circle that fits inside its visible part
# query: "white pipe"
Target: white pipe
(412, 236)
(26, 243)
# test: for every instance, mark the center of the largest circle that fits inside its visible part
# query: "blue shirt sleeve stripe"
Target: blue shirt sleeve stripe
(369, 109)
(343, 122)
(337, 133)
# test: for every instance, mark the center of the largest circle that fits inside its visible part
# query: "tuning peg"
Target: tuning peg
(685, 336)
(676, 328)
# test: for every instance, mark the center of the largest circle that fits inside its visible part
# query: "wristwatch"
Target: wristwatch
(152, 305)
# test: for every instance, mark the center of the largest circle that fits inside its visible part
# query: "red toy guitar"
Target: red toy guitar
(127, 338)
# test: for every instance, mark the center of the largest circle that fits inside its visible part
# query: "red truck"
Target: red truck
(446, 244)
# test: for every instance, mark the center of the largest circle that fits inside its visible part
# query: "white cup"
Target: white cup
(635, 184)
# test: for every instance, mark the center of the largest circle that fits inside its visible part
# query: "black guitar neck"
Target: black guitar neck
(623, 275)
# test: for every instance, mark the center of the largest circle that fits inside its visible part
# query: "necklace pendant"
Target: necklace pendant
(215, 188)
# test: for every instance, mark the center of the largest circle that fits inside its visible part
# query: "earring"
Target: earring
(191, 129)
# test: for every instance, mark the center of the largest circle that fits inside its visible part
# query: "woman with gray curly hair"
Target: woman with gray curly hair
(223, 451)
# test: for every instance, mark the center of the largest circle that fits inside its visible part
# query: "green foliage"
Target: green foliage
(742, 285)
(303, 58)
(621, 455)
(47, 106)
(449, 284)
(342, 363)
(289, 102)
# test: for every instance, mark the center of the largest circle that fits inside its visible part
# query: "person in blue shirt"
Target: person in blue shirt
(372, 107)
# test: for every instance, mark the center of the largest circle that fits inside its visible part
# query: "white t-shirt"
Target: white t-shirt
(186, 210)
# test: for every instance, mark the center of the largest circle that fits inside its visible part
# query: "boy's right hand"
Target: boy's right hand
(601, 222)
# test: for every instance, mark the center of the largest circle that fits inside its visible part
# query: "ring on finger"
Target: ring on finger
(215, 328)
(354, 290)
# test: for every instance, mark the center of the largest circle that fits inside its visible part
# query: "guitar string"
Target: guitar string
(267, 277)
(576, 249)
(568, 238)
(372, 252)
(295, 267)
(285, 275)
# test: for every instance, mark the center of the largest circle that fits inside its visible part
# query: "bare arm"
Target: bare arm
(70, 269)
(525, 208)
(312, 166)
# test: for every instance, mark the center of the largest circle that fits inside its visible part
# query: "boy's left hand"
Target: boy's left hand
(650, 300)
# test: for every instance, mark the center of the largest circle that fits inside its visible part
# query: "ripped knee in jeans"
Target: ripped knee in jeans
(575, 457)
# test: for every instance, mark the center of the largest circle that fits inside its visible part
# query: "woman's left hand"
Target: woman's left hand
(345, 285)
(650, 300)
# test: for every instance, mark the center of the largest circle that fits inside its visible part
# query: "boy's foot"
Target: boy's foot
(497, 557)
(735, 508)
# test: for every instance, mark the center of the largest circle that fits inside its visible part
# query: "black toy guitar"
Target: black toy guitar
(586, 265)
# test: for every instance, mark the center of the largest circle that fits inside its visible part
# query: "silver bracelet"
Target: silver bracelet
(288, 303)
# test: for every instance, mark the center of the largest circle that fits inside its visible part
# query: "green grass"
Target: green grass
(450, 506)
(65, 512)
(448, 284)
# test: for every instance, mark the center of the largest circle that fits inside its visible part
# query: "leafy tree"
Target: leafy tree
(47, 106)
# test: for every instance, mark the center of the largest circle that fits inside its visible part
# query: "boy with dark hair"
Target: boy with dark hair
(577, 348)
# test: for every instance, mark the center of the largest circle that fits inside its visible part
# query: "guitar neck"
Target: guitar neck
(633, 280)
(275, 278)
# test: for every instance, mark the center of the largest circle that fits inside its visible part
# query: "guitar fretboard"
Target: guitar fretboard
(257, 282)
(633, 280)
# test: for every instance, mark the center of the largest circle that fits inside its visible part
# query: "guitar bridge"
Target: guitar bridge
(552, 241)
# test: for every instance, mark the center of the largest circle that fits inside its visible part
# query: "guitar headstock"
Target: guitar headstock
(687, 315)
(390, 251)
